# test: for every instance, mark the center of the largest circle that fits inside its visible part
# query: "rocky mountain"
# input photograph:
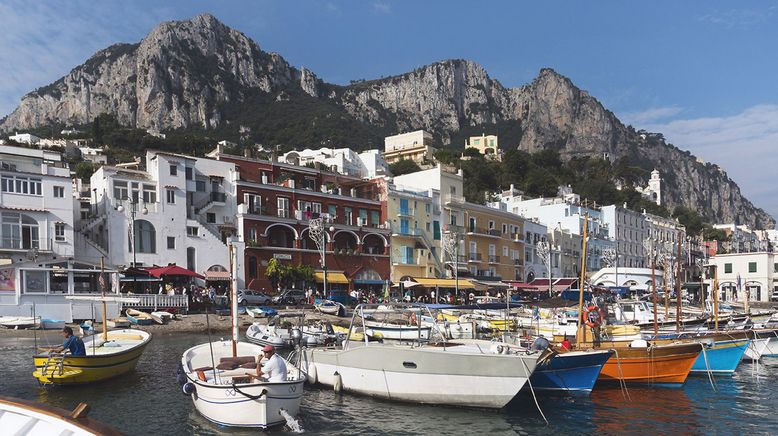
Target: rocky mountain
(201, 74)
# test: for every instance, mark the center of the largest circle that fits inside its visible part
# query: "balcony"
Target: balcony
(406, 212)
(452, 198)
(497, 233)
(494, 258)
(484, 276)
(474, 257)
(407, 232)
(518, 262)
(403, 260)
(453, 228)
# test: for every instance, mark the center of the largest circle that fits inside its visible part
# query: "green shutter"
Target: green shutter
(752, 267)
(436, 230)
(728, 268)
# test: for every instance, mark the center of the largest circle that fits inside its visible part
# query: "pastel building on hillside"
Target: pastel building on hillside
(368, 164)
(415, 146)
(487, 145)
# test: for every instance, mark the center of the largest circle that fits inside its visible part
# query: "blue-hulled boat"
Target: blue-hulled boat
(571, 372)
(722, 358)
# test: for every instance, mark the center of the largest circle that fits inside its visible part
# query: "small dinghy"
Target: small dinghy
(138, 317)
(118, 323)
(261, 312)
(331, 308)
(19, 322)
(20, 417)
(161, 317)
(52, 324)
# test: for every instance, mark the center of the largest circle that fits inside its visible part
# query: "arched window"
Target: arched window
(145, 237)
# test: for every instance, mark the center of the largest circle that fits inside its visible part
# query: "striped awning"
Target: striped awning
(337, 278)
(444, 283)
(217, 275)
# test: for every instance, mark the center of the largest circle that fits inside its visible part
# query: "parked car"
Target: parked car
(247, 297)
(290, 296)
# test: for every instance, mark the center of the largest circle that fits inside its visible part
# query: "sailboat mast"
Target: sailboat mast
(667, 296)
(233, 303)
(653, 286)
(581, 332)
(678, 290)
(103, 284)
(716, 297)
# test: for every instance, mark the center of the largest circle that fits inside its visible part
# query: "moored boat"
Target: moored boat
(120, 322)
(756, 349)
(722, 357)
(261, 312)
(110, 355)
(161, 317)
(570, 372)
(19, 322)
(642, 362)
(139, 318)
(52, 324)
(331, 308)
(21, 417)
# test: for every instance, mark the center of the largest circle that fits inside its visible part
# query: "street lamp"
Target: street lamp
(133, 202)
(319, 235)
(543, 250)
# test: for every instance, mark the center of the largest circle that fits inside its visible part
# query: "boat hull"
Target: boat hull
(89, 369)
(255, 405)
(771, 350)
(723, 358)
(659, 364)
(572, 372)
(399, 332)
(756, 349)
(414, 375)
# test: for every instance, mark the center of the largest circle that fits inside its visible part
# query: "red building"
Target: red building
(275, 204)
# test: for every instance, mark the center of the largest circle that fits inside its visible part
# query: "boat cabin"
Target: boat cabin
(635, 312)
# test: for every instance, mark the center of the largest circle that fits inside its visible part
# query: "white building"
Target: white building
(755, 272)
(368, 164)
(653, 192)
(665, 231)
(633, 278)
(37, 205)
(742, 238)
(94, 155)
(184, 211)
(629, 229)
(25, 138)
(413, 146)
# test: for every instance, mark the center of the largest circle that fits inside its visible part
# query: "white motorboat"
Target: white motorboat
(452, 329)
(20, 417)
(756, 349)
(397, 331)
(119, 323)
(281, 337)
(230, 397)
(161, 317)
(418, 371)
(331, 308)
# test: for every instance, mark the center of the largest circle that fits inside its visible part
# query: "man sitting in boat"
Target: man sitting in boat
(72, 343)
(275, 367)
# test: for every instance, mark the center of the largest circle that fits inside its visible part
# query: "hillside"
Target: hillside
(201, 77)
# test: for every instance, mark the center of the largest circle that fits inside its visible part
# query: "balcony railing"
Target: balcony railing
(518, 262)
(218, 197)
(494, 258)
(482, 231)
(408, 211)
(474, 257)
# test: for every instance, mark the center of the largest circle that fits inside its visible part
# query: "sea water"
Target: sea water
(149, 401)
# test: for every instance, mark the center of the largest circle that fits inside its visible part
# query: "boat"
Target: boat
(120, 322)
(419, 371)
(19, 322)
(756, 349)
(570, 372)
(139, 318)
(397, 331)
(642, 362)
(330, 307)
(86, 328)
(229, 396)
(721, 357)
(52, 324)
(261, 312)
(281, 337)
(21, 417)
(108, 355)
(452, 329)
(161, 317)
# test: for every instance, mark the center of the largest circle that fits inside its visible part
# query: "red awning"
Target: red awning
(520, 285)
(172, 270)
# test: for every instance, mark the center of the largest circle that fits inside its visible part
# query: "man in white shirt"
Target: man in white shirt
(275, 367)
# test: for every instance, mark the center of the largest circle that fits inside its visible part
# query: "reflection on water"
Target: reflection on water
(150, 401)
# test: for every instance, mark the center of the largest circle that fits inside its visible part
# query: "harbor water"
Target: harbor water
(149, 401)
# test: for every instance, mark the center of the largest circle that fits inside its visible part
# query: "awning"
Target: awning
(217, 275)
(369, 282)
(492, 284)
(337, 278)
(444, 283)
(172, 270)
(520, 285)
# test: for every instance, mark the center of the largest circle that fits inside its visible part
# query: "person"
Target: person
(565, 344)
(73, 344)
(160, 289)
(275, 367)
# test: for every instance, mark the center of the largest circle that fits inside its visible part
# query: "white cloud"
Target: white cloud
(382, 7)
(745, 145)
(650, 115)
(739, 18)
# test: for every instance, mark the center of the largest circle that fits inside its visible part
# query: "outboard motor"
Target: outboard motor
(296, 336)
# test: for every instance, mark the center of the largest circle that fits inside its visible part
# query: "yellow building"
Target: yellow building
(413, 146)
(488, 145)
(415, 251)
(493, 243)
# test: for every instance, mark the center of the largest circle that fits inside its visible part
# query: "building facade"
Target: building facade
(755, 274)
(487, 145)
(36, 205)
(494, 240)
(628, 228)
(276, 202)
(413, 146)
(368, 164)
(178, 210)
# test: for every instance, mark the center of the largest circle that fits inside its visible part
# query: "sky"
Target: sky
(701, 72)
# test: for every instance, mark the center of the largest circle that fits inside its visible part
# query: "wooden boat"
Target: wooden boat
(52, 324)
(20, 417)
(107, 355)
(161, 317)
(331, 308)
(120, 322)
(641, 362)
(139, 318)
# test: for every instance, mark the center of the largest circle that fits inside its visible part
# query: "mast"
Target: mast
(667, 296)
(678, 290)
(233, 303)
(653, 286)
(581, 329)
(104, 283)
(716, 297)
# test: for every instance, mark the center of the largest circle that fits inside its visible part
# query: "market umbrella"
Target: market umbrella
(173, 270)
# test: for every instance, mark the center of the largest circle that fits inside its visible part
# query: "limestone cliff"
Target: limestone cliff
(199, 73)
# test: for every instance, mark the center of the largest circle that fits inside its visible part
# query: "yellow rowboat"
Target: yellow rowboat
(105, 358)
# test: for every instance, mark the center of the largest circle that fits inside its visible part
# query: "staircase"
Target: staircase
(91, 223)
(213, 199)
(211, 228)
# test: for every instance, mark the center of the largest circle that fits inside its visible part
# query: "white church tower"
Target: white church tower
(655, 187)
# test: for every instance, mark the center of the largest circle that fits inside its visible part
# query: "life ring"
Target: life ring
(592, 316)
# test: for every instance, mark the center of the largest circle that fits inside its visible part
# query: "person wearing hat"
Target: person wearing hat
(72, 343)
(275, 367)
